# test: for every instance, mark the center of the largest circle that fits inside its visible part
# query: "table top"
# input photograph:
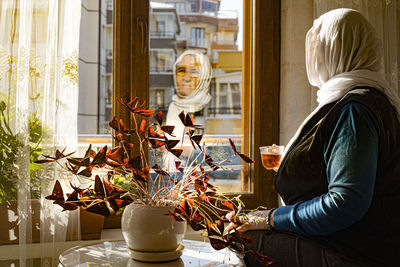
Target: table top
(115, 253)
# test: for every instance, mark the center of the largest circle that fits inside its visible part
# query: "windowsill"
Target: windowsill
(37, 250)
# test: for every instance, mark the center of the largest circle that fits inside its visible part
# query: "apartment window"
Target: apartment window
(209, 6)
(235, 98)
(194, 5)
(197, 37)
(161, 60)
(161, 27)
(180, 7)
(223, 99)
(261, 93)
(159, 96)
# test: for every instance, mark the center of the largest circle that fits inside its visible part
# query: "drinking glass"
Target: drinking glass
(271, 156)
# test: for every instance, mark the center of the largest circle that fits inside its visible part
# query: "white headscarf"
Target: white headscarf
(200, 96)
(343, 51)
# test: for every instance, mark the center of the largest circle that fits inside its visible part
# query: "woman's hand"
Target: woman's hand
(255, 220)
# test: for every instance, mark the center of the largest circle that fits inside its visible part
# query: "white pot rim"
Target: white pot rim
(155, 208)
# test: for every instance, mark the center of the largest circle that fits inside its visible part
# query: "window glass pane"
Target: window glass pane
(236, 99)
(207, 35)
(95, 73)
(222, 96)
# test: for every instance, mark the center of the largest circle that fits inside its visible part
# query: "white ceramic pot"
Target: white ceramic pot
(148, 229)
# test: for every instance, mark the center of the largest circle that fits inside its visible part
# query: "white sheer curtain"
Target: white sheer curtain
(384, 15)
(298, 98)
(39, 42)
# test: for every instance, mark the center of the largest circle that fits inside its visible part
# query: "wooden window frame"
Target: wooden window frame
(261, 74)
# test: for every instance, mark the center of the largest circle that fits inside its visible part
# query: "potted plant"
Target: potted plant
(158, 198)
(9, 147)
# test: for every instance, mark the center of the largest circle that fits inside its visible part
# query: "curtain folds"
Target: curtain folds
(39, 41)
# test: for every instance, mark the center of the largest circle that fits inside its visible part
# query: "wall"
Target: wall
(296, 92)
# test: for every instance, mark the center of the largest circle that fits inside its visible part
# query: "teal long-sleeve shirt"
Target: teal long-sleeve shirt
(351, 156)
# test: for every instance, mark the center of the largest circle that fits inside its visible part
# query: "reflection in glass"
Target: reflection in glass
(213, 29)
(192, 75)
(95, 67)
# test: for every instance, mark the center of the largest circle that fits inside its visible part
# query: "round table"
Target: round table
(115, 253)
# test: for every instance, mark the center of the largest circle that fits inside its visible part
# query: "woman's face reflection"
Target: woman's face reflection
(187, 75)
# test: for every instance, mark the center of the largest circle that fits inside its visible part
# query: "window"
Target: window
(194, 5)
(161, 27)
(223, 99)
(161, 60)
(159, 96)
(235, 98)
(197, 37)
(164, 22)
(96, 68)
(209, 6)
(260, 76)
(180, 7)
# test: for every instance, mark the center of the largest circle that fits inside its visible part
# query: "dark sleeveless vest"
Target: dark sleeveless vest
(375, 239)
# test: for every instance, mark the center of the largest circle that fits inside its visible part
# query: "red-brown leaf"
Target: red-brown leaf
(177, 152)
(99, 208)
(159, 117)
(146, 112)
(98, 186)
(89, 152)
(86, 172)
(175, 216)
(232, 145)
(245, 158)
(220, 226)
(168, 129)
(217, 243)
(142, 128)
(57, 193)
(160, 171)
(116, 154)
(117, 203)
(229, 205)
(196, 139)
(171, 143)
(199, 185)
(156, 142)
(100, 157)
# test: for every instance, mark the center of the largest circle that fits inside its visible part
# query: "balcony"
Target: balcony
(162, 35)
(198, 43)
(161, 68)
(212, 111)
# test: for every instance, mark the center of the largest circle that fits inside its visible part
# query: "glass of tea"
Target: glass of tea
(271, 156)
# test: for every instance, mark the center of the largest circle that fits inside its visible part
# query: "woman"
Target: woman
(192, 75)
(340, 176)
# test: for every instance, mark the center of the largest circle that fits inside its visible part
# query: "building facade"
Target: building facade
(164, 29)
(174, 26)
(95, 67)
